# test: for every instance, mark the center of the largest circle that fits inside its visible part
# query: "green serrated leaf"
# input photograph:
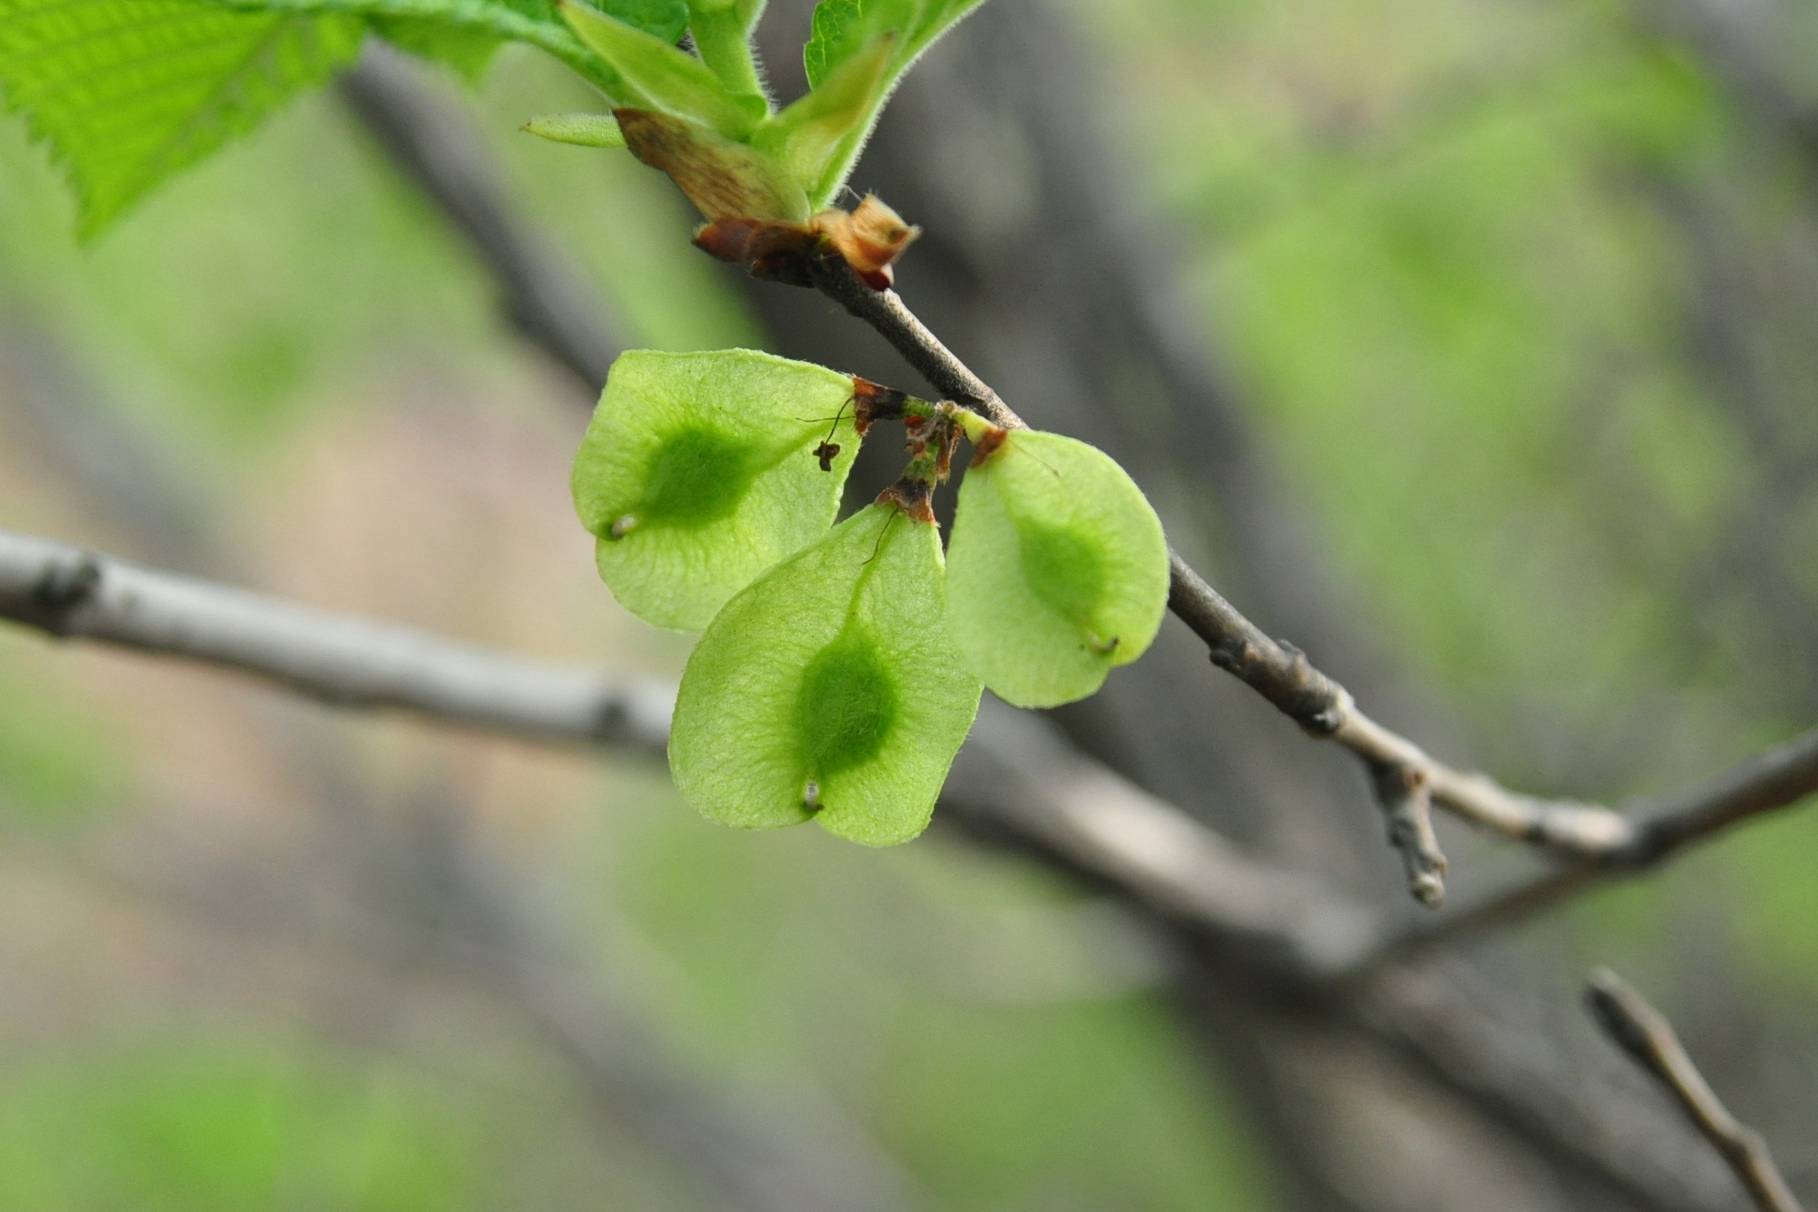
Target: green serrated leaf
(699, 471)
(1058, 570)
(843, 29)
(580, 130)
(828, 690)
(130, 92)
(664, 75)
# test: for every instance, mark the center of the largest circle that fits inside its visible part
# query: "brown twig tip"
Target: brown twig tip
(1405, 794)
(1649, 1040)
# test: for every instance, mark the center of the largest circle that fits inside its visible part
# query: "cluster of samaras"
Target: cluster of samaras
(841, 665)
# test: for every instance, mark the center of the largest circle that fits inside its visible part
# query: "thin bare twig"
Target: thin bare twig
(1648, 1038)
(1769, 782)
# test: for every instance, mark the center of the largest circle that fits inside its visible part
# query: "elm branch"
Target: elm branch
(1275, 669)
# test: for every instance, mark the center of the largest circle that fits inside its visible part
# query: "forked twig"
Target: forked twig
(1762, 784)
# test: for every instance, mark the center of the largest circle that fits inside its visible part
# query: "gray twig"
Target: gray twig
(1767, 782)
(341, 660)
(1648, 1038)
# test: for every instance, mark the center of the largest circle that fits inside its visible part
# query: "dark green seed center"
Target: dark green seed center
(1063, 567)
(697, 476)
(846, 705)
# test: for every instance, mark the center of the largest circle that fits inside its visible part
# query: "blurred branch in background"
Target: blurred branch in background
(1737, 41)
(115, 459)
(1648, 1038)
(1272, 926)
(349, 662)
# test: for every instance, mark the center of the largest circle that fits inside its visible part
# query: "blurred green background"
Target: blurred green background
(1521, 298)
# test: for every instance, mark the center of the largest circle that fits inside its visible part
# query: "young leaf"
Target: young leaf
(581, 130)
(722, 33)
(840, 27)
(701, 470)
(131, 92)
(828, 690)
(808, 135)
(724, 180)
(1058, 568)
(843, 29)
(665, 75)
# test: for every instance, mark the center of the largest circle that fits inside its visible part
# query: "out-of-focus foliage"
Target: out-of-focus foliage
(128, 93)
(196, 1125)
